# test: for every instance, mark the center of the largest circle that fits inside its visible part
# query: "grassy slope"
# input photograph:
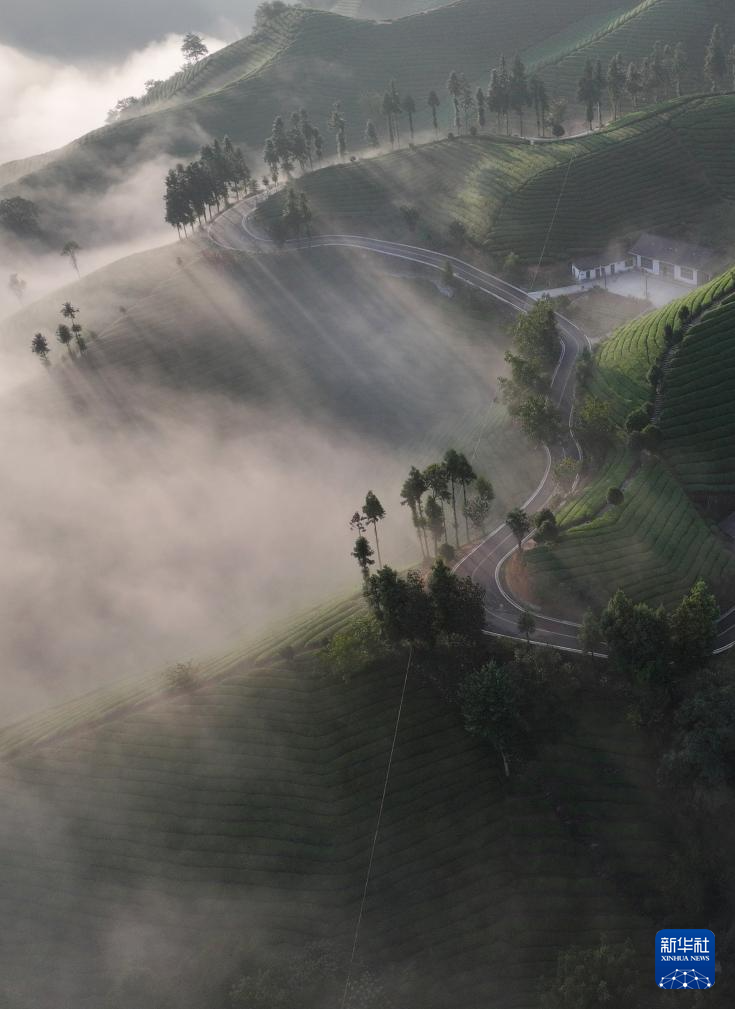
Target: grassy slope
(240, 89)
(657, 543)
(634, 32)
(248, 808)
(659, 171)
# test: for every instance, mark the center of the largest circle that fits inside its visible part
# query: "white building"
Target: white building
(664, 257)
(689, 264)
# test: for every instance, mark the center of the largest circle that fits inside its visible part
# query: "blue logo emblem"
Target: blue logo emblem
(685, 958)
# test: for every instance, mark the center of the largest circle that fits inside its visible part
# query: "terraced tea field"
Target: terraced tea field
(243, 813)
(654, 546)
(697, 416)
(623, 361)
(658, 171)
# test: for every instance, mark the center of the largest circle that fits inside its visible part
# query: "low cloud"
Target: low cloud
(45, 103)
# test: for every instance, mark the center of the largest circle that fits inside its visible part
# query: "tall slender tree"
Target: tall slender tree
(39, 346)
(599, 80)
(519, 524)
(411, 496)
(363, 554)
(715, 60)
(434, 102)
(481, 104)
(374, 513)
(587, 92)
(70, 251)
(633, 84)
(452, 468)
(454, 87)
(540, 102)
(371, 134)
(615, 83)
(518, 89)
(65, 337)
(338, 124)
(465, 476)
(409, 107)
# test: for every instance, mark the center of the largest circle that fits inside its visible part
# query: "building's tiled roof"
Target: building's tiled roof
(670, 251)
(612, 254)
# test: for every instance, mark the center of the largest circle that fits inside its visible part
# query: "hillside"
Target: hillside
(657, 542)
(211, 826)
(670, 170)
(254, 399)
(240, 89)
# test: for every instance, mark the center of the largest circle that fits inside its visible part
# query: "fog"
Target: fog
(195, 483)
(85, 31)
(47, 102)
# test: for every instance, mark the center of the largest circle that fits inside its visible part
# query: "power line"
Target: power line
(377, 832)
(553, 221)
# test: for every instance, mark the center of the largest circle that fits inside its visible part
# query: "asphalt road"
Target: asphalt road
(233, 230)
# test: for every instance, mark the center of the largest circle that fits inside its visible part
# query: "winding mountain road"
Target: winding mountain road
(233, 230)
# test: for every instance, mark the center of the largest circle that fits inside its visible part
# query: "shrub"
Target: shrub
(615, 496)
(351, 650)
(652, 437)
(181, 678)
(287, 653)
(637, 419)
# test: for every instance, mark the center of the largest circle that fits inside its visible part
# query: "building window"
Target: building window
(646, 263)
(668, 270)
(704, 278)
(686, 273)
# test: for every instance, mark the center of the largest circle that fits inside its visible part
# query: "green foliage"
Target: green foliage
(519, 524)
(400, 606)
(639, 640)
(615, 496)
(352, 650)
(526, 624)
(447, 553)
(492, 705)
(637, 419)
(181, 678)
(590, 633)
(702, 755)
(20, 216)
(594, 422)
(410, 215)
(540, 420)
(566, 472)
(694, 628)
(458, 604)
(586, 978)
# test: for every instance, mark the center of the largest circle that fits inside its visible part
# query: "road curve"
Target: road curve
(233, 230)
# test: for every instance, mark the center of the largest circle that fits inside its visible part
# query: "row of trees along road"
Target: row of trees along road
(202, 185)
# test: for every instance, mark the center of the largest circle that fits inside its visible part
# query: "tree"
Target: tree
(17, 285)
(694, 628)
(437, 482)
(615, 497)
(337, 123)
(457, 232)
(371, 134)
(731, 66)
(680, 67)
(498, 98)
(638, 638)
(411, 492)
(715, 60)
(410, 215)
(519, 524)
(540, 102)
(587, 92)
(702, 757)
(20, 216)
(363, 554)
(566, 472)
(616, 83)
(590, 633)
(594, 422)
(491, 711)
(599, 83)
(267, 12)
(557, 115)
(435, 521)
(39, 346)
(434, 102)
(587, 978)
(400, 605)
(374, 513)
(448, 278)
(539, 419)
(193, 48)
(69, 311)
(409, 107)
(526, 625)
(518, 94)
(70, 251)
(453, 467)
(477, 511)
(458, 604)
(481, 103)
(65, 336)
(633, 84)
(454, 87)
(465, 475)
